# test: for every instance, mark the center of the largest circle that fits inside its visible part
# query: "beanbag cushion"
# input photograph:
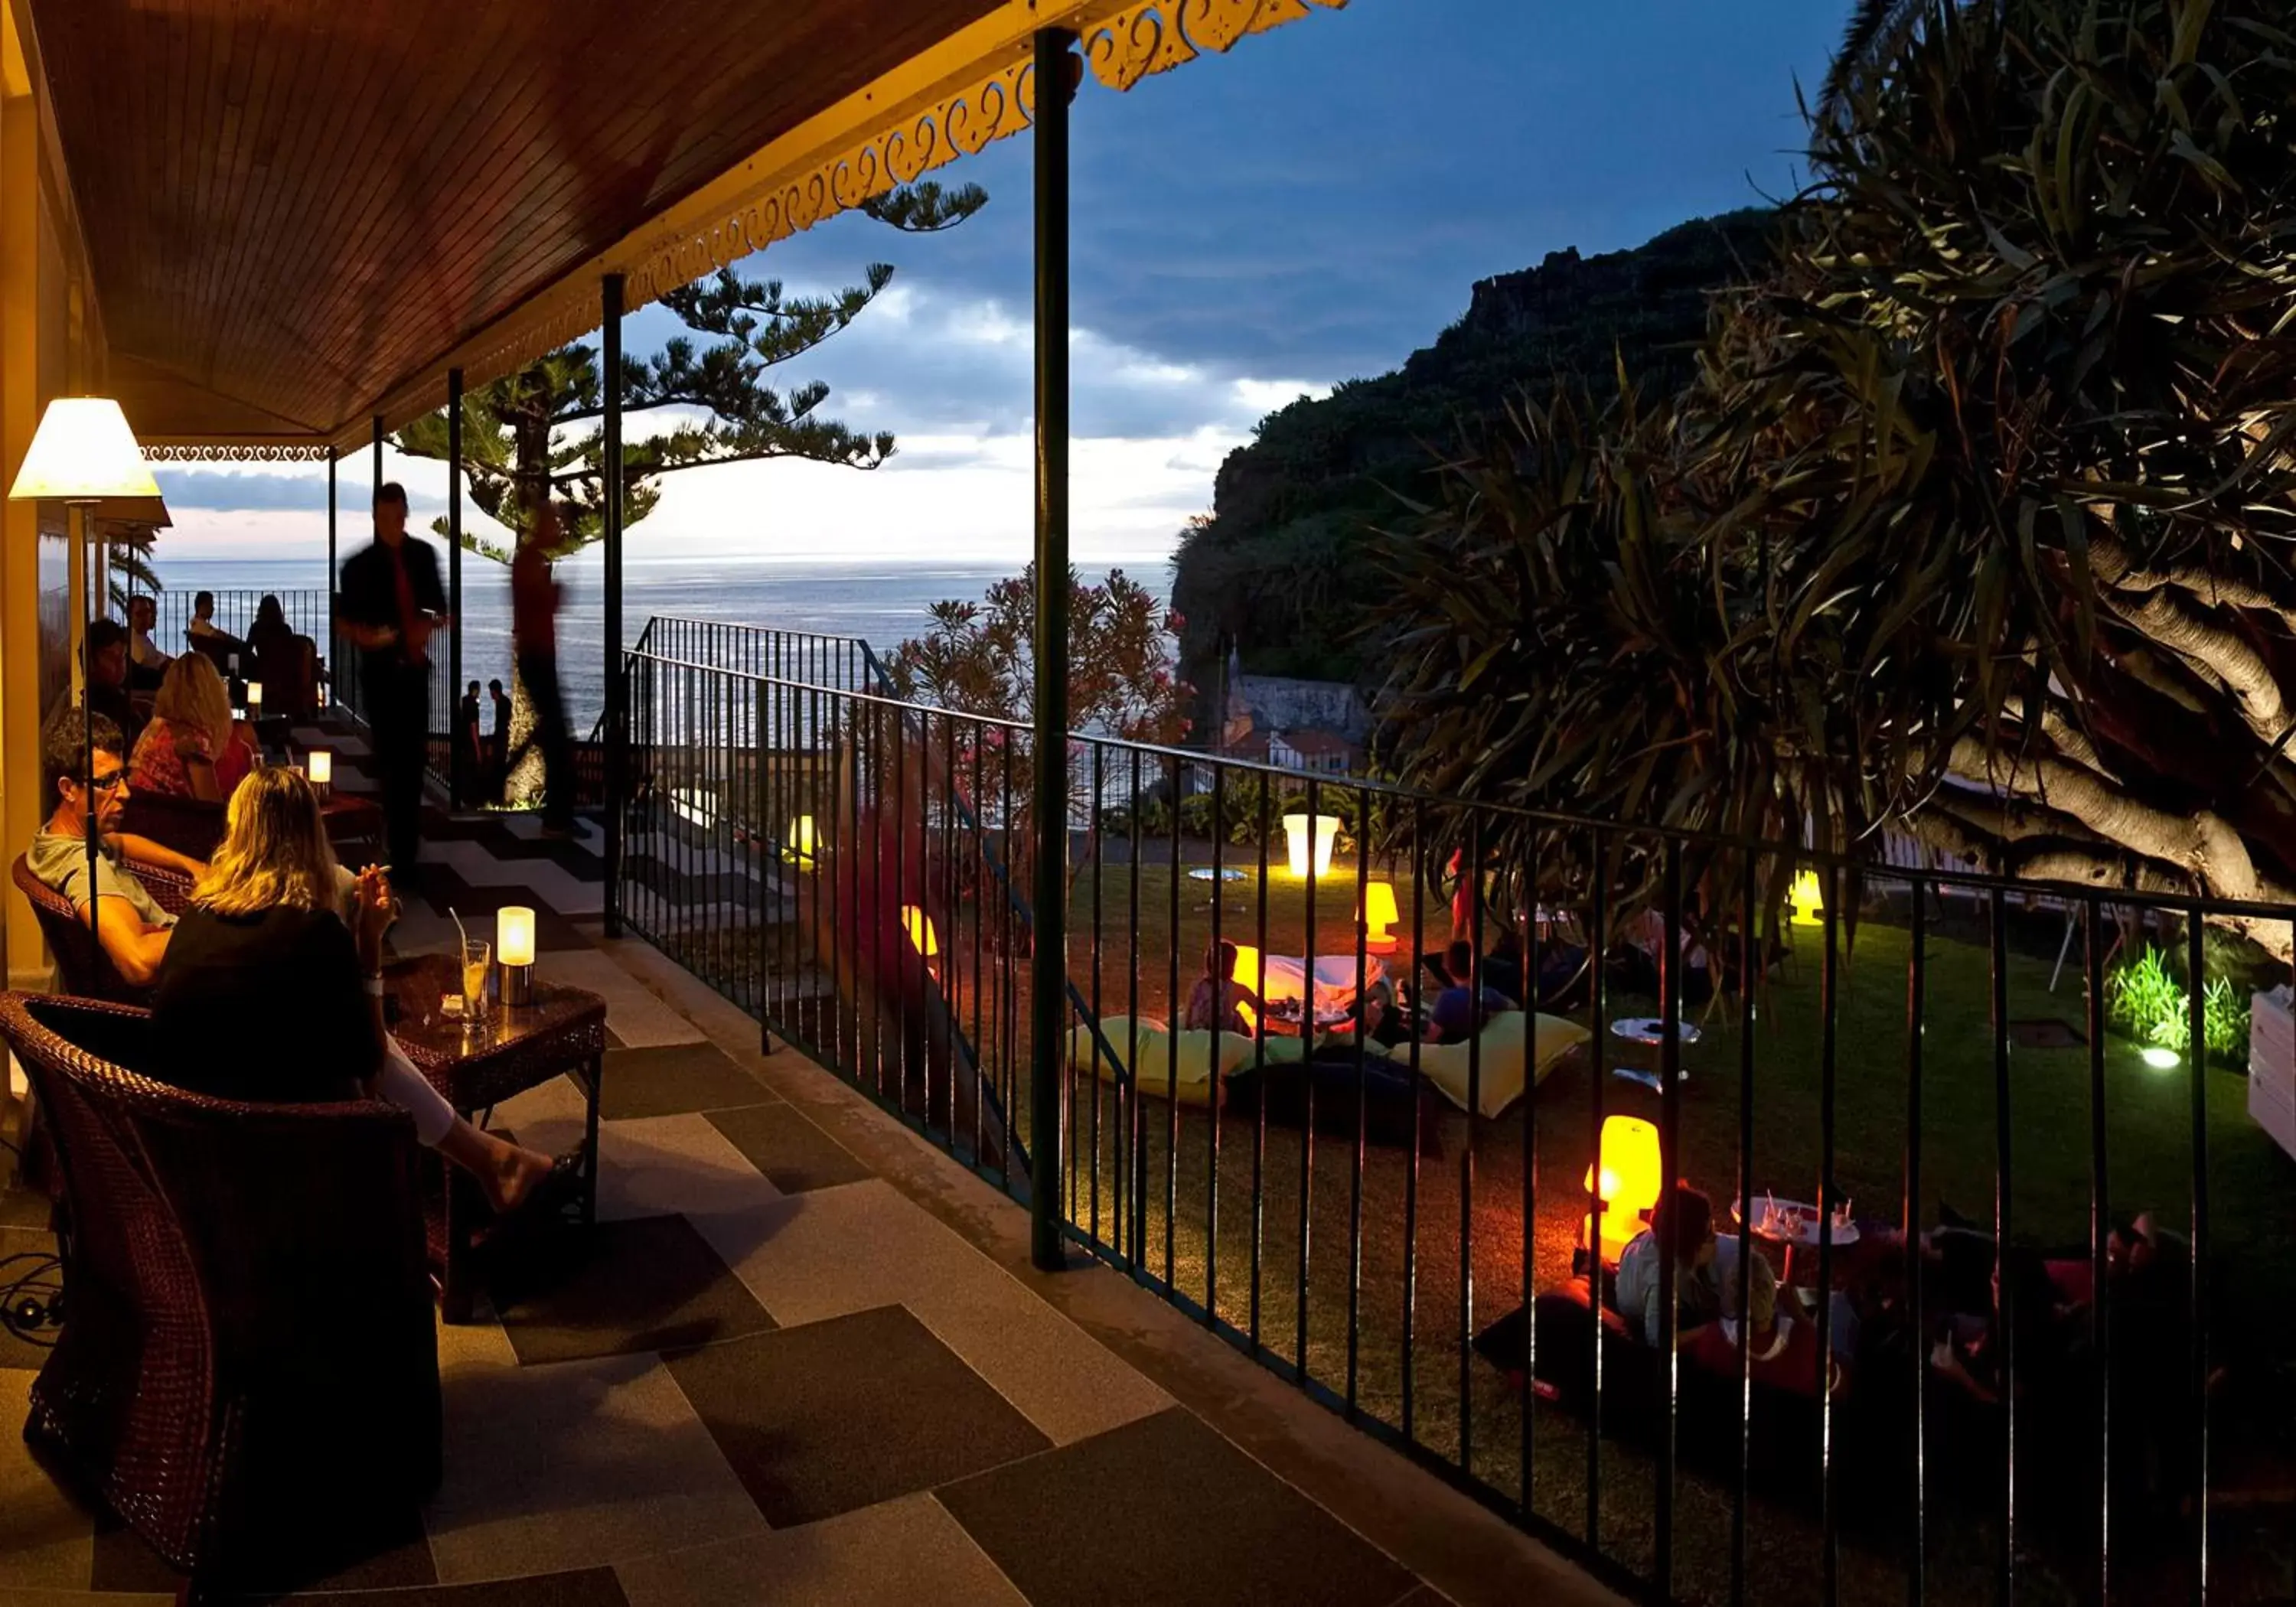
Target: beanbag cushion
(1510, 1059)
(1179, 1065)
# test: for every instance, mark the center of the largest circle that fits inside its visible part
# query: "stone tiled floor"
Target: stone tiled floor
(800, 1360)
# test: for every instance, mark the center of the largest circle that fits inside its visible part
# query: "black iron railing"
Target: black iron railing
(1403, 1226)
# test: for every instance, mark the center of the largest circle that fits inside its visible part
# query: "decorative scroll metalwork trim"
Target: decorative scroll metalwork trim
(235, 452)
(1122, 41)
(1160, 35)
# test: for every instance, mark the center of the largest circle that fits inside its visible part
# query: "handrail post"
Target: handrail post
(616, 691)
(460, 783)
(335, 651)
(1049, 995)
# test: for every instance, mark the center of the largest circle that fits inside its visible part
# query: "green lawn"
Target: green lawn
(1382, 1282)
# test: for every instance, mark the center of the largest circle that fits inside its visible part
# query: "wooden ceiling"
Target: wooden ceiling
(293, 206)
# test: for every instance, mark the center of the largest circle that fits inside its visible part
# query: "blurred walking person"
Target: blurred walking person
(534, 598)
(391, 603)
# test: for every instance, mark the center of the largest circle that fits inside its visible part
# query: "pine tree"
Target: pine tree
(543, 424)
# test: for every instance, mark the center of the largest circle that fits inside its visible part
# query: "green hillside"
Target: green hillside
(1277, 567)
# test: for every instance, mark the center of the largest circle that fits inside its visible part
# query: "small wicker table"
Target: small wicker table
(562, 1032)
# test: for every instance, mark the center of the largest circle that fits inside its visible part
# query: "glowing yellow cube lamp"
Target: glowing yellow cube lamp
(1632, 1171)
(1299, 847)
(920, 927)
(1379, 913)
(799, 840)
(1808, 902)
(1250, 969)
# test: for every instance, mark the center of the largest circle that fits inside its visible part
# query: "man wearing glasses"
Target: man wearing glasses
(131, 927)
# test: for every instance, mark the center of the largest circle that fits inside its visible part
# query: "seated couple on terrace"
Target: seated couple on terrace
(264, 956)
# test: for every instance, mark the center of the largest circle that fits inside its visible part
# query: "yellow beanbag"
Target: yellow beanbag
(1502, 1073)
(1196, 1072)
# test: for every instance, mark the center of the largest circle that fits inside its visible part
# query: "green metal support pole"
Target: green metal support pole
(1050, 1000)
(334, 649)
(457, 761)
(618, 736)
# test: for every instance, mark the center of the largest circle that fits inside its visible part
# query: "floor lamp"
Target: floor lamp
(83, 453)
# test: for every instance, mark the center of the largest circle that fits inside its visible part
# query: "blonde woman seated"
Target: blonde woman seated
(261, 966)
(191, 748)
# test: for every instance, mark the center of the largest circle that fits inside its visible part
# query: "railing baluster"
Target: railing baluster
(2100, 1228)
(2197, 1062)
(2005, 1554)
(1419, 1007)
(1910, 1226)
(1828, 1004)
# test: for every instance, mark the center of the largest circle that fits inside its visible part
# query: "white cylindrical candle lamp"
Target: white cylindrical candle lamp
(514, 951)
(321, 762)
(254, 698)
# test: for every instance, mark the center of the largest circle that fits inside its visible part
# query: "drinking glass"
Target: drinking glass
(476, 957)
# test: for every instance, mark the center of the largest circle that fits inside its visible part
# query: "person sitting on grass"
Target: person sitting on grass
(130, 926)
(1219, 1001)
(1459, 1012)
(1675, 1261)
(1784, 1348)
(262, 941)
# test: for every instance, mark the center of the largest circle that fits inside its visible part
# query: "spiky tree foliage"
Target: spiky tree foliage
(703, 398)
(1978, 522)
(979, 659)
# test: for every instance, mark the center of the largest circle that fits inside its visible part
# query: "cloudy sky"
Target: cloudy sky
(1309, 209)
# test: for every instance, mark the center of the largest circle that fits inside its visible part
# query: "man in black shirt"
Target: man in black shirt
(470, 750)
(391, 603)
(107, 678)
(498, 751)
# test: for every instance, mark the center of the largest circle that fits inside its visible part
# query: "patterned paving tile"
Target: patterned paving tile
(795, 1154)
(397, 1557)
(909, 1550)
(669, 1079)
(47, 1542)
(837, 1250)
(621, 1287)
(577, 1465)
(839, 1415)
(655, 1166)
(582, 1587)
(1201, 1522)
(635, 1014)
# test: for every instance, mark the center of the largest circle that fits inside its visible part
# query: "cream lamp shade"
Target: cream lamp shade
(514, 935)
(83, 451)
(322, 764)
(255, 694)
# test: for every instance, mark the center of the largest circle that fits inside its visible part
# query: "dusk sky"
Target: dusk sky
(1309, 209)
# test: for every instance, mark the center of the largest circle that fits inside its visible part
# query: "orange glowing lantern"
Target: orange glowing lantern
(920, 927)
(1631, 1171)
(1379, 913)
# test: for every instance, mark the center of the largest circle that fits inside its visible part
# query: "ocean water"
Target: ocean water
(883, 601)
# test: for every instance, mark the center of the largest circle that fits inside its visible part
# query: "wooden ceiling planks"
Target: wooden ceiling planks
(293, 206)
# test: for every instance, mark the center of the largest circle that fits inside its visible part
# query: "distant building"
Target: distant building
(1318, 750)
(1297, 725)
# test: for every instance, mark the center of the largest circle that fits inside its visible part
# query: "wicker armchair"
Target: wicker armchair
(249, 1375)
(82, 967)
(186, 825)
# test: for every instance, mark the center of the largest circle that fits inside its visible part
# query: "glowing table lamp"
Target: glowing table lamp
(82, 454)
(1631, 1173)
(1808, 902)
(514, 951)
(320, 762)
(1379, 913)
(1297, 844)
(254, 699)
